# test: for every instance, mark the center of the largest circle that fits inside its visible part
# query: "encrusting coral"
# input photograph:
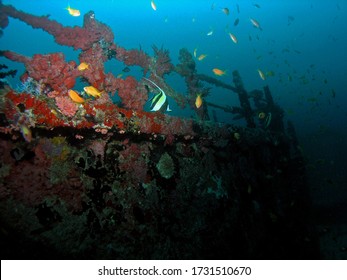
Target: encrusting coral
(166, 166)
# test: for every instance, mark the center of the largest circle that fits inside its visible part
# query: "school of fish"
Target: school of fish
(159, 102)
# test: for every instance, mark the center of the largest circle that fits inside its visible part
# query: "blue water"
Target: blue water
(303, 42)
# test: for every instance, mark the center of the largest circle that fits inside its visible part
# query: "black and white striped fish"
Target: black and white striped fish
(159, 102)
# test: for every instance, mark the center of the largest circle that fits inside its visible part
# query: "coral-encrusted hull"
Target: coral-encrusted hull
(113, 194)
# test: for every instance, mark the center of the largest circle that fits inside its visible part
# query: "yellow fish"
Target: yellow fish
(75, 96)
(26, 133)
(195, 50)
(153, 5)
(198, 101)
(92, 91)
(233, 37)
(261, 74)
(202, 57)
(73, 12)
(83, 66)
(219, 72)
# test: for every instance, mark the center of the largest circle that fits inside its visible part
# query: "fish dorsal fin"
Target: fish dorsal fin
(155, 85)
(159, 100)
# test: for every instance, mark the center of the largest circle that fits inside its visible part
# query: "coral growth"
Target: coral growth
(96, 42)
(132, 95)
(50, 69)
(29, 179)
(166, 166)
(161, 63)
(66, 106)
(133, 162)
(134, 57)
(98, 148)
(102, 180)
(76, 37)
(49, 77)
(95, 58)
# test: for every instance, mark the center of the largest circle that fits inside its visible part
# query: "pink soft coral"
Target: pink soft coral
(66, 106)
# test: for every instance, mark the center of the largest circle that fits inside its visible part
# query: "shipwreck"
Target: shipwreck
(93, 178)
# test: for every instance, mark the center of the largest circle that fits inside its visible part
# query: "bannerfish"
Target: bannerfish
(159, 102)
(73, 12)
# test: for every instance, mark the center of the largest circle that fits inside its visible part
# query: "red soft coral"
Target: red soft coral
(132, 96)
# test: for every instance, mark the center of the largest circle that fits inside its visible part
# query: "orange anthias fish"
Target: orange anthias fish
(233, 38)
(202, 57)
(83, 66)
(219, 72)
(75, 96)
(153, 5)
(93, 91)
(73, 12)
(198, 101)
